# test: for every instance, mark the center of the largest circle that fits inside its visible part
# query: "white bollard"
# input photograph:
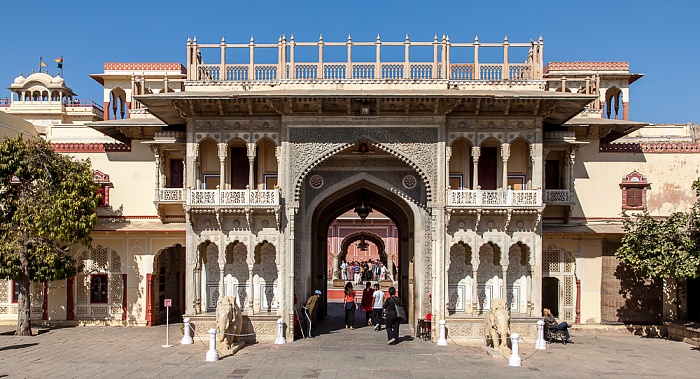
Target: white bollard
(187, 338)
(442, 341)
(280, 332)
(515, 360)
(212, 354)
(540, 344)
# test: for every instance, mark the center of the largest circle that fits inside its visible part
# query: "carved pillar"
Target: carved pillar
(156, 153)
(571, 161)
(528, 290)
(476, 151)
(251, 289)
(251, 162)
(390, 267)
(222, 167)
(222, 293)
(475, 285)
(567, 173)
(578, 301)
(505, 155)
(336, 267)
(198, 282)
(504, 282)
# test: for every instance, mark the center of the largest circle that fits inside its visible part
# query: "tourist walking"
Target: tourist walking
(344, 270)
(377, 307)
(392, 318)
(367, 302)
(356, 273)
(311, 310)
(382, 272)
(350, 304)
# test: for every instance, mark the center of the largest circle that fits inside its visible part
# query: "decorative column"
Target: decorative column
(572, 160)
(528, 290)
(475, 284)
(222, 168)
(198, 282)
(505, 154)
(578, 301)
(251, 167)
(251, 289)
(156, 153)
(222, 265)
(336, 267)
(390, 267)
(476, 151)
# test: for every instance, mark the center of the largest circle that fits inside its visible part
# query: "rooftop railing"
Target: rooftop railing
(444, 63)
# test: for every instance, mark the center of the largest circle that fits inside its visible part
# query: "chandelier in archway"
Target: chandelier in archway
(362, 245)
(363, 209)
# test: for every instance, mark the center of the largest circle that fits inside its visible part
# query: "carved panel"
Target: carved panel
(417, 146)
(550, 261)
(212, 265)
(99, 258)
(80, 289)
(116, 289)
(4, 310)
(569, 292)
(98, 310)
(4, 291)
(116, 262)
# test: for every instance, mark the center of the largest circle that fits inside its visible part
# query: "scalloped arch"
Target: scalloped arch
(337, 149)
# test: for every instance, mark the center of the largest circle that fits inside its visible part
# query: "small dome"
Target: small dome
(58, 80)
(19, 80)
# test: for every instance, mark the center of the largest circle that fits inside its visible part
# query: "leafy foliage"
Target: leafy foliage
(663, 247)
(47, 204)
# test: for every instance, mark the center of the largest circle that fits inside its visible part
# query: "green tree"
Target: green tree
(47, 203)
(666, 248)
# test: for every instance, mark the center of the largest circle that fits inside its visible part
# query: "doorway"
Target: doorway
(550, 295)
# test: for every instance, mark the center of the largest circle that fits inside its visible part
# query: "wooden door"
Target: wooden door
(488, 168)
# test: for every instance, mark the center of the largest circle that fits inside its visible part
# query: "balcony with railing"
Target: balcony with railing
(218, 198)
(494, 198)
(454, 61)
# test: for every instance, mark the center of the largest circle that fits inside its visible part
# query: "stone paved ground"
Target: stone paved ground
(133, 352)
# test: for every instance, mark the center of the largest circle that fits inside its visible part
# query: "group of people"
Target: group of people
(364, 271)
(376, 306)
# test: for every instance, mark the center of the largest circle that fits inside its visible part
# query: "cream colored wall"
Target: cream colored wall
(133, 178)
(11, 125)
(598, 177)
(57, 300)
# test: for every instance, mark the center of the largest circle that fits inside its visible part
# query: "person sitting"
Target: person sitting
(551, 324)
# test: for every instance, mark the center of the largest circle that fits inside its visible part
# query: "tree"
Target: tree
(664, 248)
(47, 204)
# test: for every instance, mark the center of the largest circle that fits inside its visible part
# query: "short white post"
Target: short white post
(515, 356)
(442, 341)
(212, 354)
(280, 332)
(187, 338)
(540, 344)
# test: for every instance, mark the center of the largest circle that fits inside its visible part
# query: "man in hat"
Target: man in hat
(310, 309)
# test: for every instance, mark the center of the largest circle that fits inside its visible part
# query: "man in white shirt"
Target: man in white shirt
(382, 272)
(344, 270)
(377, 307)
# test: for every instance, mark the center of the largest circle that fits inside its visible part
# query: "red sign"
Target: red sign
(168, 303)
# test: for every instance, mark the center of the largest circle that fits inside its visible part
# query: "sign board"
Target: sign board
(168, 302)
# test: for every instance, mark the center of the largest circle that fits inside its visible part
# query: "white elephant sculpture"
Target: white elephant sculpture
(229, 321)
(497, 325)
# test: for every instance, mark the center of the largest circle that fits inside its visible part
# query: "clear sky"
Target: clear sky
(660, 39)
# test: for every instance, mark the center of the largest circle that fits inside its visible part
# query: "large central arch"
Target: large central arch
(385, 198)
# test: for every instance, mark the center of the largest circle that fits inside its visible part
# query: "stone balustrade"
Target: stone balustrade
(233, 198)
(494, 198)
(444, 64)
(170, 195)
(557, 196)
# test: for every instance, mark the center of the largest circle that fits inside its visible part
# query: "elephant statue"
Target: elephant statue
(229, 321)
(496, 325)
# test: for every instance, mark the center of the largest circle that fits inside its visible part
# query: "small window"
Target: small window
(634, 191)
(15, 291)
(98, 288)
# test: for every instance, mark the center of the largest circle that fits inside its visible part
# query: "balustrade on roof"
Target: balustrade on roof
(450, 60)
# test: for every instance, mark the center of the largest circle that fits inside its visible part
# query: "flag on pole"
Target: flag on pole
(42, 64)
(59, 61)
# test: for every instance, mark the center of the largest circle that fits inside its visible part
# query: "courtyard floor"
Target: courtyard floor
(137, 352)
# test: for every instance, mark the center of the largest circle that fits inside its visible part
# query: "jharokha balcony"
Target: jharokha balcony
(509, 198)
(210, 198)
(216, 201)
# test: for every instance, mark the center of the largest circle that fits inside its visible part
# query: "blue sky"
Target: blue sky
(659, 39)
